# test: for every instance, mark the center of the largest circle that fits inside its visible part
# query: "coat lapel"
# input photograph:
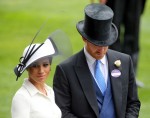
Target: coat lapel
(85, 79)
(116, 83)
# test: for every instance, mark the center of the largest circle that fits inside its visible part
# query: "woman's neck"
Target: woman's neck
(39, 86)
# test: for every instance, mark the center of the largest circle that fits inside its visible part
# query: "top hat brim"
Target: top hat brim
(112, 36)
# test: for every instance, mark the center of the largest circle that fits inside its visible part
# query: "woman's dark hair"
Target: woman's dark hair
(50, 60)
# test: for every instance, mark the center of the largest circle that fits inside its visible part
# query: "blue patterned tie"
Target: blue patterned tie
(99, 77)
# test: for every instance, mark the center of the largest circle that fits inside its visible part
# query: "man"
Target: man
(78, 91)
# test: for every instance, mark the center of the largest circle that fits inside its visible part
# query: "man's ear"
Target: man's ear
(83, 39)
(27, 69)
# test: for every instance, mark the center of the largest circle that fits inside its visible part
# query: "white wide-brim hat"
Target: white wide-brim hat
(34, 52)
(52, 47)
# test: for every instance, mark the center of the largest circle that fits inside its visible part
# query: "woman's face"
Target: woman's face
(39, 71)
(96, 52)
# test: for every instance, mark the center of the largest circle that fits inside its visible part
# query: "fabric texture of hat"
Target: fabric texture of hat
(97, 27)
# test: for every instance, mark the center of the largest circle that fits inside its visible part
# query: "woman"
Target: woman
(35, 99)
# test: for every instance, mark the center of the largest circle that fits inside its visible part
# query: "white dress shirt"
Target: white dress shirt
(91, 63)
(29, 102)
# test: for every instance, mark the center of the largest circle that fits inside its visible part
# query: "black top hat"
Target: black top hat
(97, 27)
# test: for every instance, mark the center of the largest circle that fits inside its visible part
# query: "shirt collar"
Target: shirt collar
(103, 60)
(31, 88)
(89, 58)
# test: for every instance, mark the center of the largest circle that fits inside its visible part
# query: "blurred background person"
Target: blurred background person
(127, 14)
(100, 1)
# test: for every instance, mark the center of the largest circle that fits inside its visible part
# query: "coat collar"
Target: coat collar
(32, 89)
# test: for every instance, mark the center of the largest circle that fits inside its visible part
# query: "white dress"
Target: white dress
(29, 102)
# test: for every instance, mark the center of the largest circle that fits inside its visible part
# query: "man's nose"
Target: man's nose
(101, 48)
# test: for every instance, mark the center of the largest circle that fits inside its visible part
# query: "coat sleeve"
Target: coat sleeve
(62, 93)
(133, 103)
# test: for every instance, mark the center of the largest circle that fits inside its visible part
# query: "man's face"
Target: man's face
(96, 52)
